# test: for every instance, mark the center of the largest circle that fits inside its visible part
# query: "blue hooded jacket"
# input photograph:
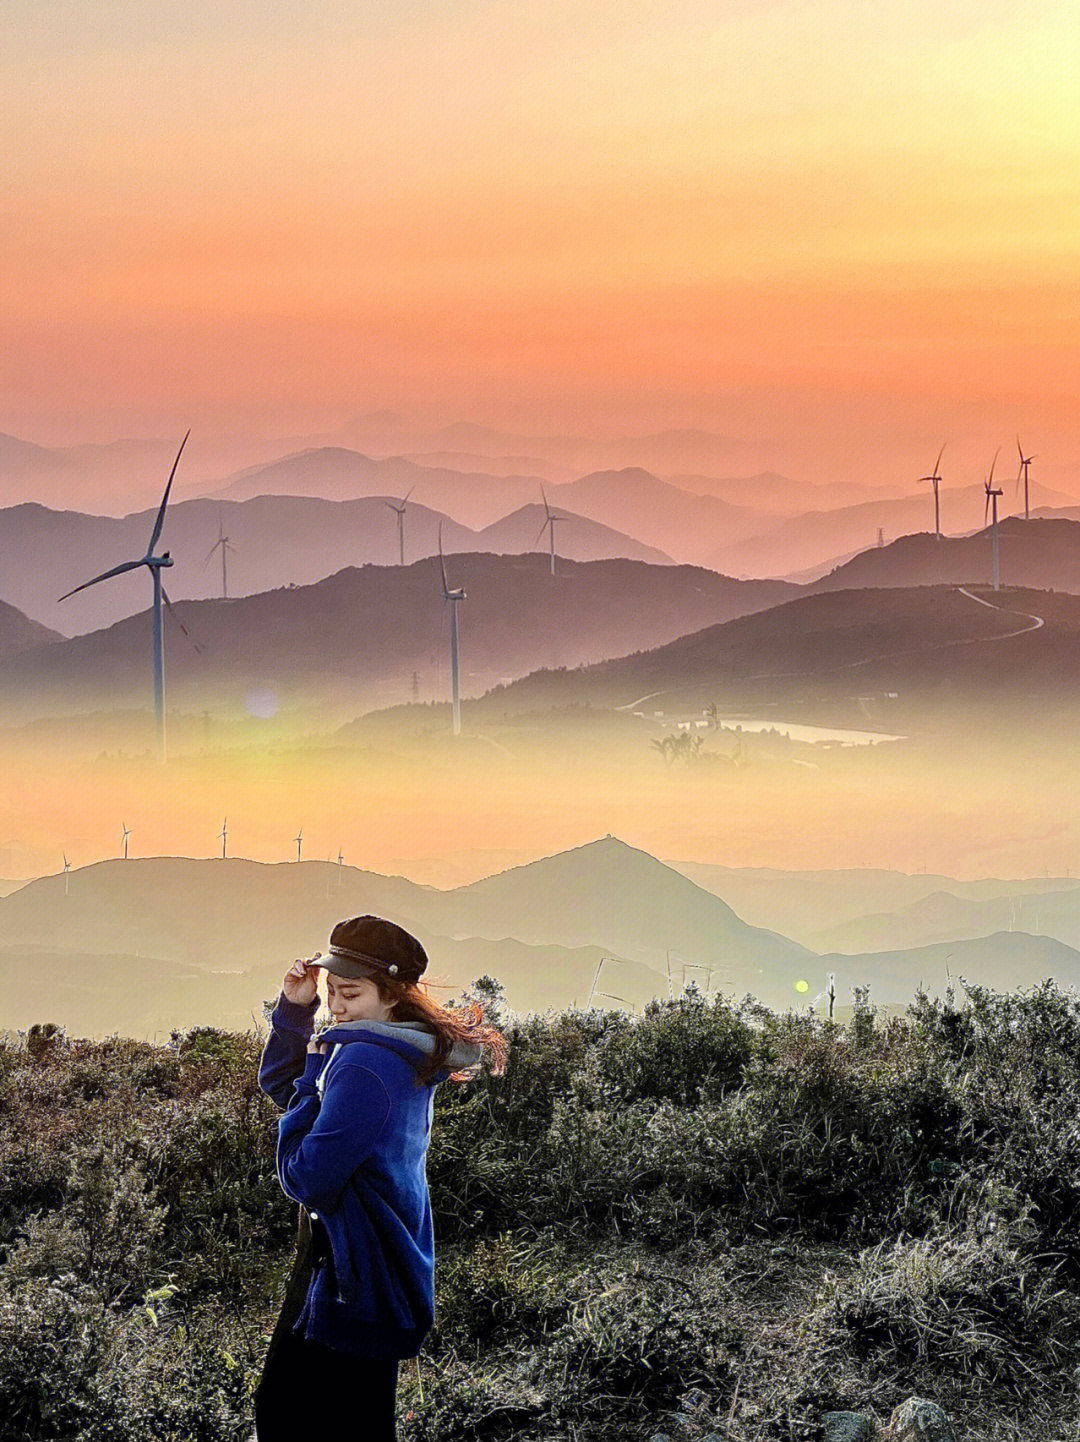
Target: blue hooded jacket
(352, 1149)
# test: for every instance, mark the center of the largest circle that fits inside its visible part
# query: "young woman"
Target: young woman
(352, 1150)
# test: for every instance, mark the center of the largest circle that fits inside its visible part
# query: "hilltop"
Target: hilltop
(830, 648)
(354, 640)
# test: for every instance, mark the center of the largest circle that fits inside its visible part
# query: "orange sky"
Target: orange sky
(816, 224)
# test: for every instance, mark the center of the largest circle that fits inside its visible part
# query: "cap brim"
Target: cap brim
(344, 966)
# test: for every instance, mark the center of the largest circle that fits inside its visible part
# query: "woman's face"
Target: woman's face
(355, 999)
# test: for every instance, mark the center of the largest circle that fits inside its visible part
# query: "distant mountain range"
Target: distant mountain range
(148, 945)
(852, 908)
(273, 541)
(353, 641)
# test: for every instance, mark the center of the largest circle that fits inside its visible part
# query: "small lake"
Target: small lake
(798, 732)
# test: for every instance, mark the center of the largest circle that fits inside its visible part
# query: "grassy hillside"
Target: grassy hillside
(711, 1219)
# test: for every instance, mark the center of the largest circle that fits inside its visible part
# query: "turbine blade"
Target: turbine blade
(1020, 449)
(544, 494)
(165, 499)
(116, 571)
(542, 529)
(442, 563)
(210, 554)
(937, 463)
(407, 494)
(993, 463)
(176, 618)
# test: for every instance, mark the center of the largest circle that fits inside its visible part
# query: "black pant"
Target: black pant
(309, 1392)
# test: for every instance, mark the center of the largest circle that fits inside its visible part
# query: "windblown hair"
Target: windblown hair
(450, 1024)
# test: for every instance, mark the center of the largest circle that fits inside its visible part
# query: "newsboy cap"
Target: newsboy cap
(373, 947)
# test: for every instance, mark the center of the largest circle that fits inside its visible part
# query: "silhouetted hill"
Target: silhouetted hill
(839, 644)
(807, 540)
(274, 541)
(1040, 554)
(355, 639)
(18, 633)
(613, 902)
(576, 537)
(623, 899)
(338, 474)
(813, 907)
(944, 917)
(1003, 960)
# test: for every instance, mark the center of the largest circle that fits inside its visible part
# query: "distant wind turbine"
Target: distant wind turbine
(935, 480)
(550, 517)
(223, 836)
(127, 833)
(67, 871)
(400, 509)
(1025, 462)
(299, 842)
(226, 546)
(154, 565)
(992, 495)
(454, 597)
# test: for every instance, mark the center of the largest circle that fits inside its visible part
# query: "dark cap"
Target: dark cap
(369, 946)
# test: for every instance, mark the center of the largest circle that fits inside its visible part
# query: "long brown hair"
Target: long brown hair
(449, 1023)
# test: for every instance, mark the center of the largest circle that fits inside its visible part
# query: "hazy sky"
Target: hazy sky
(820, 222)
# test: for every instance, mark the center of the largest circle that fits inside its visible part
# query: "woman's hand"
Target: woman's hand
(316, 1045)
(299, 984)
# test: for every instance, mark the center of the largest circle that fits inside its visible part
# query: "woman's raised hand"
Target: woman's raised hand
(299, 984)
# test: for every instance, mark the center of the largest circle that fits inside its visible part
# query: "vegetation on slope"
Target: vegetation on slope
(709, 1219)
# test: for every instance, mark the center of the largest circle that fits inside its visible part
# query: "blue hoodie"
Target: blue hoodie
(352, 1149)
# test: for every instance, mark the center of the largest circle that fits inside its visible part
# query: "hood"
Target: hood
(402, 1036)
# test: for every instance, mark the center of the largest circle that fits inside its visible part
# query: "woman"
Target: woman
(352, 1149)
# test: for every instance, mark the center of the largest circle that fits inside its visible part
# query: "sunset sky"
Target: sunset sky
(841, 229)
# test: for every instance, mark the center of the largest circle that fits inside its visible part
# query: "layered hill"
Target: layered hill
(273, 541)
(1040, 554)
(826, 909)
(945, 917)
(837, 645)
(820, 535)
(604, 916)
(18, 633)
(356, 639)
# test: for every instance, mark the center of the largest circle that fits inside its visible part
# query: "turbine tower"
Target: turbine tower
(154, 565)
(299, 842)
(935, 480)
(992, 495)
(226, 546)
(550, 517)
(1025, 461)
(400, 509)
(453, 596)
(127, 833)
(223, 836)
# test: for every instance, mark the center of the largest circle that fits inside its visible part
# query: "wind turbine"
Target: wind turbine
(223, 836)
(992, 495)
(67, 869)
(400, 509)
(154, 565)
(127, 833)
(550, 517)
(453, 596)
(935, 480)
(1025, 461)
(299, 841)
(226, 546)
